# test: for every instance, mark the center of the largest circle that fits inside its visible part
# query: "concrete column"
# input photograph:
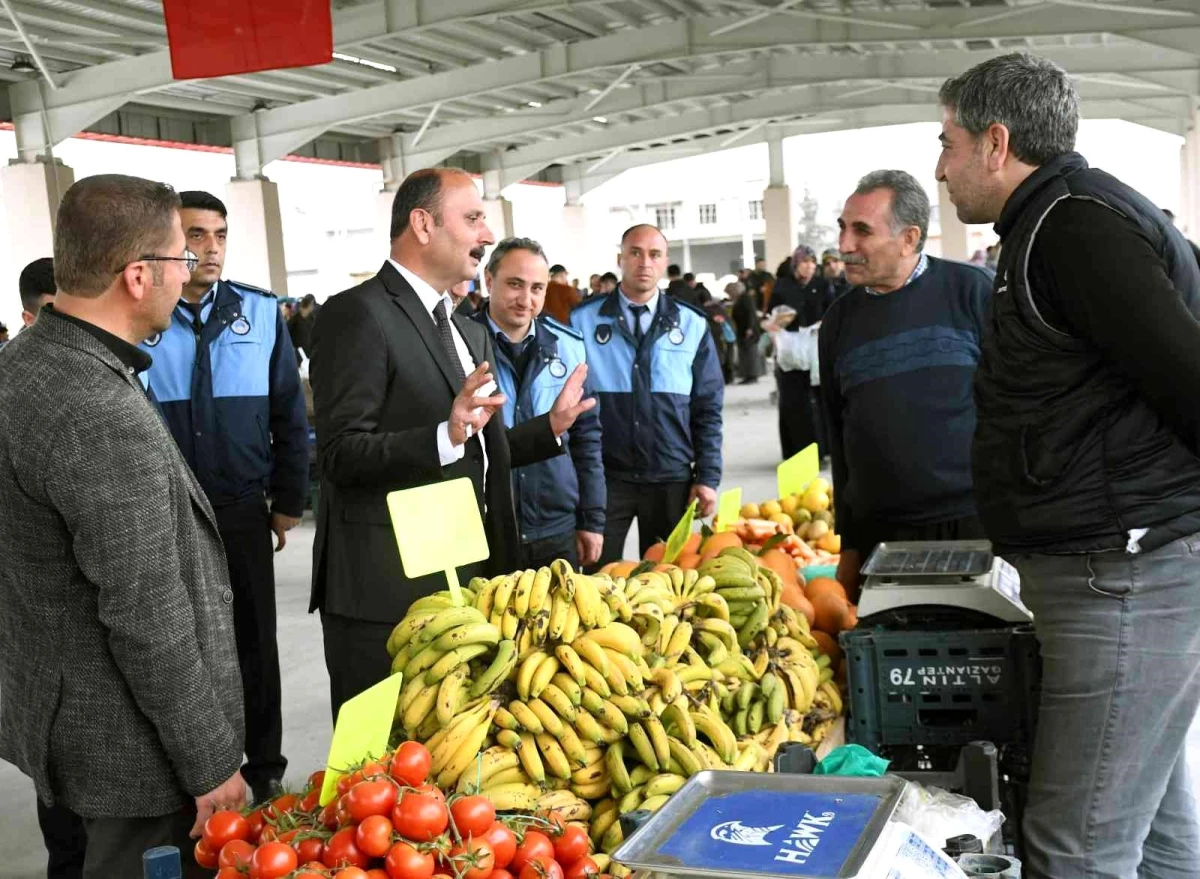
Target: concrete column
(747, 235)
(577, 242)
(775, 160)
(780, 225)
(954, 231)
(32, 191)
(1188, 212)
(687, 256)
(257, 232)
(383, 217)
(499, 216)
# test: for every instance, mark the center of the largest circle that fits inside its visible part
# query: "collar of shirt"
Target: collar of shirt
(918, 270)
(627, 307)
(498, 332)
(132, 357)
(206, 304)
(425, 292)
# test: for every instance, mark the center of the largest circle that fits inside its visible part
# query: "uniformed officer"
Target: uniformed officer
(225, 376)
(654, 367)
(560, 502)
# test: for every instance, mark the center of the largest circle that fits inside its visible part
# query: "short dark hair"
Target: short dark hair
(636, 226)
(199, 200)
(36, 281)
(609, 276)
(672, 271)
(420, 191)
(309, 299)
(106, 222)
(502, 250)
(689, 277)
(556, 268)
(1030, 96)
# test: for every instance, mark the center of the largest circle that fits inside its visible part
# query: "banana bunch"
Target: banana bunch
(751, 592)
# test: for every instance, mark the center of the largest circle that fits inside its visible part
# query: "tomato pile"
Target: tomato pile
(389, 822)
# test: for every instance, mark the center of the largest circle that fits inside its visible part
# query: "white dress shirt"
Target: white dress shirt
(448, 453)
(647, 316)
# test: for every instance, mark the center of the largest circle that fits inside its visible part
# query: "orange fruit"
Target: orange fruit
(825, 585)
(830, 608)
(712, 547)
(692, 544)
(793, 597)
(688, 560)
(654, 552)
(782, 564)
(850, 617)
(619, 569)
(828, 645)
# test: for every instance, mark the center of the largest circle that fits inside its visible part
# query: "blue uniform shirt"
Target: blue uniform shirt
(565, 493)
(231, 397)
(660, 402)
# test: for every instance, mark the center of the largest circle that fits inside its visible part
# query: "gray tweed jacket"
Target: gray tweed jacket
(119, 687)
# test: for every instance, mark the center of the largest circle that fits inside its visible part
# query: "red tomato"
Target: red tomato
(501, 873)
(224, 826)
(309, 872)
(410, 764)
(316, 780)
(420, 816)
(473, 816)
(535, 845)
(377, 873)
(571, 845)
(256, 821)
(328, 817)
(311, 801)
(345, 782)
(541, 868)
(273, 861)
(374, 835)
(309, 849)
(373, 770)
(281, 805)
(433, 790)
(584, 868)
(350, 873)
(341, 851)
(236, 853)
(473, 859)
(405, 862)
(230, 873)
(503, 842)
(205, 857)
(369, 798)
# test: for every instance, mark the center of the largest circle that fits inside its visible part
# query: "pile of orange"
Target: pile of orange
(832, 610)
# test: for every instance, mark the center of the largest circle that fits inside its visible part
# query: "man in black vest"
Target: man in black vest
(1087, 468)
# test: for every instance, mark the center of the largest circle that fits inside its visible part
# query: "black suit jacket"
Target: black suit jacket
(382, 382)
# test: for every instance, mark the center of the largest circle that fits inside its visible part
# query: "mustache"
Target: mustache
(478, 253)
(854, 260)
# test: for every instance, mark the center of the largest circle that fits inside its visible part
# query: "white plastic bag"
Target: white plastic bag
(798, 351)
(939, 814)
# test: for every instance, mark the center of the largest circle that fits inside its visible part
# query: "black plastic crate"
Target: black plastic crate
(942, 688)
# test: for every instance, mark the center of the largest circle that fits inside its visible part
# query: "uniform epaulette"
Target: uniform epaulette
(593, 300)
(696, 308)
(559, 327)
(241, 285)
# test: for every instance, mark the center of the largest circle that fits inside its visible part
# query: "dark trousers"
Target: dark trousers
(540, 553)
(66, 841)
(800, 416)
(657, 507)
(246, 532)
(115, 845)
(355, 656)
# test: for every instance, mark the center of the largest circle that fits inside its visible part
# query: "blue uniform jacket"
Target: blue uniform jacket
(564, 493)
(660, 404)
(231, 398)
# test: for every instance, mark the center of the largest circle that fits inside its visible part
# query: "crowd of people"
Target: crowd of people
(1029, 404)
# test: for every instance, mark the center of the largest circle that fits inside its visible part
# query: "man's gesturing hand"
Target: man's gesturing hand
(570, 403)
(471, 413)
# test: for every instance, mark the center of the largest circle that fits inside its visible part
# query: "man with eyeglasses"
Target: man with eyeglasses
(119, 689)
(226, 379)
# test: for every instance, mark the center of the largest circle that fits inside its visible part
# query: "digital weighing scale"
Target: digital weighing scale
(737, 825)
(911, 577)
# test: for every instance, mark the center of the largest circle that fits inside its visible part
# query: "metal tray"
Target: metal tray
(651, 847)
(930, 558)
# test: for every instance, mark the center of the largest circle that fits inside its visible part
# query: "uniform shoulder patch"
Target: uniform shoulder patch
(251, 288)
(592, 301)
(561, 328)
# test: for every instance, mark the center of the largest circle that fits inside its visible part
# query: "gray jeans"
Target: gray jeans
(1110, 794)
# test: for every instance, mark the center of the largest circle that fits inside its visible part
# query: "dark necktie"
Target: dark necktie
(443, 328)
(196, 308)
(638, 311)
(517, 353)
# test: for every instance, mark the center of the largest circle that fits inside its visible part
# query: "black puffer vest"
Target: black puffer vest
(1067, 456)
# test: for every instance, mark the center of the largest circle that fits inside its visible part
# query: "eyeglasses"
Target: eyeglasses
(188, 257)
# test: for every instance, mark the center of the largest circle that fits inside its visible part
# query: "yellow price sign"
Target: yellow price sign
(794, 474)
(438, 528)
(729, 508)
(363, 726)
(680, 534)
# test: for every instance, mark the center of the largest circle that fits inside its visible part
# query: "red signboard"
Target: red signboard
(223, 37)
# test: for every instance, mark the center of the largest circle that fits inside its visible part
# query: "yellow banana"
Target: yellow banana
(668, 683)
(497, 673)
(683, 755)
(514, 797)
(559, 608)
(553, 756)
(569, 685)
(658, 738)
(449, 691)
(559, 701)
(494, 760)
(571, 629)
(531, 759)
(550, 722)
(571, 662)
(540, 591)
(640, 740)
(529, 667)
(664, 784)
(619, 637)
(525, 716)
(629, 670)
(520, 599)
(676, 716)
(546, 670)
(505, 719)
(509, 739)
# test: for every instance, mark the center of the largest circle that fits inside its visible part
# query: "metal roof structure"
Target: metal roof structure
(584, 88)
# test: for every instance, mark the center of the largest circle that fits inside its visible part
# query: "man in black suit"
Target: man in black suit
(401, 390)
